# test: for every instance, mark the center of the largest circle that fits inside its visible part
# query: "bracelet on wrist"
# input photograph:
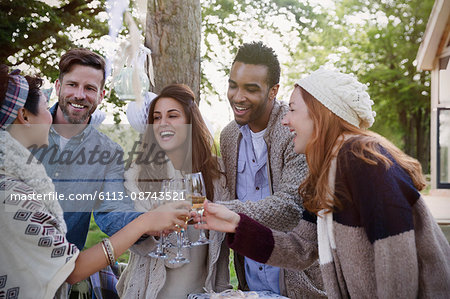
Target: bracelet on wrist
(109, 251)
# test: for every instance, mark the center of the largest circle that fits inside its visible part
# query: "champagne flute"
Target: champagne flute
(159, 251)
(177, 190)
(184, 234)
(196, 191)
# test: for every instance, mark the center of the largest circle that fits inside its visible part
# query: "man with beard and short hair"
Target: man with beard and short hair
(262, 169)
(73, 158)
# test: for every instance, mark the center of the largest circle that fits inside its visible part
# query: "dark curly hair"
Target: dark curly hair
(259, 54)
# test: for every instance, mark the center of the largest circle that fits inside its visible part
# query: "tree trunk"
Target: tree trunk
(423, 137)
(173, 34)
(416, 136)
(403, 119)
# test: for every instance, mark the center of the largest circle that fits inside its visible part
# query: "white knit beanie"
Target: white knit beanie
(137, 114)
(342, 94)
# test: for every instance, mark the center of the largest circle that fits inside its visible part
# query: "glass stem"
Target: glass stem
(160, 248)
(179, 244)
(202, 231)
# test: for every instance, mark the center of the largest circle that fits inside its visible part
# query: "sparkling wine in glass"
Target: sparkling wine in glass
(196, 192)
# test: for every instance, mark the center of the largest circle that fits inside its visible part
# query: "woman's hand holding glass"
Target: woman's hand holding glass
(218, 218)
(168, 217)
(162, 204)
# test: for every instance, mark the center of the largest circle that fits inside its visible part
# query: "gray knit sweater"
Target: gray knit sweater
(283, 208)
(286, 170)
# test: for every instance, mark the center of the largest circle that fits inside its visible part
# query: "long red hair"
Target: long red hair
(321, 150)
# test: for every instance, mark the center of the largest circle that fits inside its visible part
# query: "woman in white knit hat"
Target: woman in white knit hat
(365, 218)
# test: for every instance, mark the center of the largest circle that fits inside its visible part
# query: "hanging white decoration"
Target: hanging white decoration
(132, 64)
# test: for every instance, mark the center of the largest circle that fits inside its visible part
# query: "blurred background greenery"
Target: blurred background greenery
(376, 40)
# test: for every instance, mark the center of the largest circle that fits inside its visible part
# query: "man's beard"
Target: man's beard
(78, 119)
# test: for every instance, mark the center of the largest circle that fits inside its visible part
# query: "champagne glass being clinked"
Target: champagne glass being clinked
(159, 251)
(196, 192)
(177, 190)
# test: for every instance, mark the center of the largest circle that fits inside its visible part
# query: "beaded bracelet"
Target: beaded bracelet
(106, 254)
(108, 250)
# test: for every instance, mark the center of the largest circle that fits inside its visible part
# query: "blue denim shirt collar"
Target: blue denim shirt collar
(245, 131)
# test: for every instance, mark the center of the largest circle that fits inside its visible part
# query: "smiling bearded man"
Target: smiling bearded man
(79, 92)
(96, 169)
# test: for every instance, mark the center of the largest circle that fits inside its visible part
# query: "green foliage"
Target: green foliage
(227, 23)
(36, 33)
(125, 135)
(376, 40)
(400, 92)
(233, 278)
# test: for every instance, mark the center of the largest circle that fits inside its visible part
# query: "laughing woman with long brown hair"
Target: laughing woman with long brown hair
(365, 218)
(176, 128)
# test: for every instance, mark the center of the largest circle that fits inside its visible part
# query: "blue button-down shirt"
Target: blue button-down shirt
(74, 174)
(252, 184)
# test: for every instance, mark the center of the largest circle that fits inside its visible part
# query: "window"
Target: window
(443, 157)
(444, 79)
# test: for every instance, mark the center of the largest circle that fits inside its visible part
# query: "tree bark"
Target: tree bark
(417, 133)
(422, 139)
(173, 32)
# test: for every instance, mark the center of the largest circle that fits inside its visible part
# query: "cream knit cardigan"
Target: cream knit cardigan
(144, 276)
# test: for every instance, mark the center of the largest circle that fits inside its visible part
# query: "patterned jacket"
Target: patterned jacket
(35, 256)
(281, 210)
(384, 243)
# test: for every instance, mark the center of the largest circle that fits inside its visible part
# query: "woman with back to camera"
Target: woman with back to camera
(365, 218)
(35, 256)
(176, 127)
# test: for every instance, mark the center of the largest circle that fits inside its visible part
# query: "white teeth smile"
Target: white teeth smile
(240, 108)
(77, 106)
(166, 134)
